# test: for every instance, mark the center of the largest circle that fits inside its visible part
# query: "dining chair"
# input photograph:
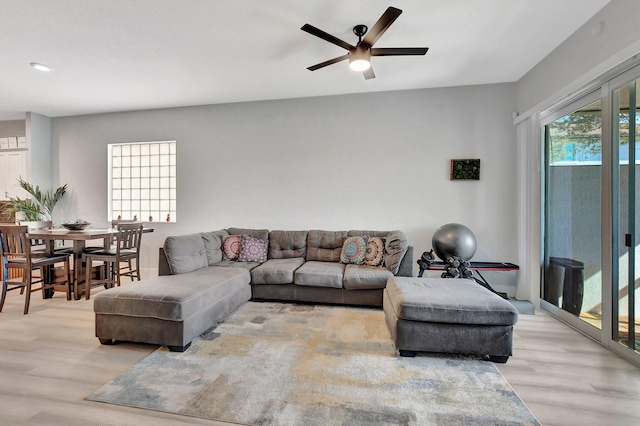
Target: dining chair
(38, 246)
(126, 250)
(17, 254)
(114, 225)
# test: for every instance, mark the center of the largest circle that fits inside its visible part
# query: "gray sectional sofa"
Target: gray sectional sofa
(198, 285)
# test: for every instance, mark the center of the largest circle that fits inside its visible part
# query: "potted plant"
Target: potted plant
(39, 207)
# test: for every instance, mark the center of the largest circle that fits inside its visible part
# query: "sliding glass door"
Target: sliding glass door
(591, 240)
(572, 275)
(626, 239)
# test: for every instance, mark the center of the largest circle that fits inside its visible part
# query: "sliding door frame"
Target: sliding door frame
(547, 117)
(612, 341)
(610, 183)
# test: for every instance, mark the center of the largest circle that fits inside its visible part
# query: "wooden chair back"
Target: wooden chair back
(116, 222)
(37, 225)
(17, 255)
(16, 246)
(127, 245)
(129, 236)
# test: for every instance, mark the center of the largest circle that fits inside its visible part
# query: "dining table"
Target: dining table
(79, 239)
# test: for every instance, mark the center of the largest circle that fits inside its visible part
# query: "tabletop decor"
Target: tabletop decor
(78, 225)
(285, 364)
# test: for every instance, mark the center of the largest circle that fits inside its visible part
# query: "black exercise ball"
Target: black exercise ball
(454, 240)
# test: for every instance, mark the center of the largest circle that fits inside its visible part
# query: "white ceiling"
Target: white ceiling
(119, 55)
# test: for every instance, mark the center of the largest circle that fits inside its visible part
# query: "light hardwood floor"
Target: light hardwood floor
(50, 361)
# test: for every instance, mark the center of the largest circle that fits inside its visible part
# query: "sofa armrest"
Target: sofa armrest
(163, 263)
(406, 264)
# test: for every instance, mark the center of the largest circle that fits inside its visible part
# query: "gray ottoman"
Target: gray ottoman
(448, 315)
(170, 310)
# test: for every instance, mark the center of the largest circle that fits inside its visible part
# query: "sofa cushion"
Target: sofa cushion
(287, 244)
(276, 271)
(173, 298)
(231, 246)
(253, 250)
(185, 253)
(360, 233)
(353, 250)
(263, 234)
(226, 263)
(213, 245)
(395, 247)
(448, 300)
(325, 246)
(320, 274)
(361, 277)
(374, 255)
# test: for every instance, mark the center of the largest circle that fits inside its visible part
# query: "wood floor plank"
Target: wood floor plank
(565, 378)
(50, 360)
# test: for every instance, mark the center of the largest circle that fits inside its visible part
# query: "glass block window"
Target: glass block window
(142, 181)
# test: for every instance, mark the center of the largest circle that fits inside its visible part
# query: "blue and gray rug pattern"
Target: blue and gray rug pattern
(286, 364)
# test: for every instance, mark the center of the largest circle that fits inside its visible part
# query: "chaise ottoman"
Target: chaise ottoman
(450, 316)
(170, 310)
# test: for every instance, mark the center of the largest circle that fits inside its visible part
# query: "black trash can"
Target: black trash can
(572, 285)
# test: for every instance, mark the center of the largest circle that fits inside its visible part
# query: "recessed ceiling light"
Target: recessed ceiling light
(41, 67)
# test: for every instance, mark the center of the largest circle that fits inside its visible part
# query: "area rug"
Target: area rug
(287, 364)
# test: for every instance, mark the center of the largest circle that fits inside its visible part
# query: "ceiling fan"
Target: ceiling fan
(359, 56)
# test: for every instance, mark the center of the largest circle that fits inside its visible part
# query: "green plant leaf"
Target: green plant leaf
(42, 204)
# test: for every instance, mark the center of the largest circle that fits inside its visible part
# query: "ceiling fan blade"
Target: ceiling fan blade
(326, 36)
(329, 62)
(385, 21)
(396, 51)
(369, 74)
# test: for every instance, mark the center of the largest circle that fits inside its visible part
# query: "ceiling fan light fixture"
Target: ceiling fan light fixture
(360, 65)
(41, 67)
(360, 59)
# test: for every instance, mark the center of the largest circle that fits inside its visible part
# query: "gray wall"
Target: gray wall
(39, 142)
(610, 37)
(369, 161)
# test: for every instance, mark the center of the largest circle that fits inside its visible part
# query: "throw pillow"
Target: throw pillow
(396, 246)
(374, 255)
(253, 250)
(231, 246)
(353, 250)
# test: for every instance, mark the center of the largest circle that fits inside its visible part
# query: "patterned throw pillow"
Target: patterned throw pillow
(253, 250)
(353, 250)
(231, 246)
(374, 255)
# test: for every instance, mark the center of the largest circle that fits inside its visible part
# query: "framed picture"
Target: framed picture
(465, 169)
